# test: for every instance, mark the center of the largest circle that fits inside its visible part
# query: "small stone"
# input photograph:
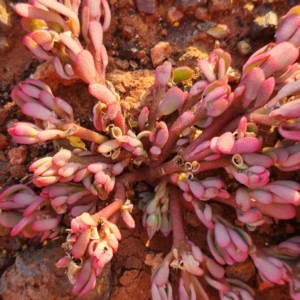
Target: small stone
(219, 5)
(141, 54)
(122, 64)
(17, 155)
(133, 64)
(128, 31)
(192, 219)
(3, 113)
(174, 15)
(188, 3)
(4, 231)
(202, 14)
(146, 6)
(133, 262)
(128, 277)
(248, 9)
(244, 271)
(164, 32)
(17, 171)
(263, 285)
(265, 21)
(289, 228)
(11, 243)
(244, 47)
(4, 142)
(160, 52)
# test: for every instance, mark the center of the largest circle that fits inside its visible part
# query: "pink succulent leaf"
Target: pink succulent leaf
(67, 12)
(62, 157)
(163, 74)
(65, 107)
(204, 218)
(70, 43)
(278, 57)
(37, 111)
(246, 145)
(128, 219)
(45, 224)
(242, 198)
(214, 249)
(86, 67)
(10, 219)
(41, 165)
(102, 93)
(83, 222)
(250, 216)
(197, 189)
(190, 264)
(172, 101)
(277, 210)
(96, 35)
(60, 69)
(107, 15)
(281, 188)
(255, 60)
(29, 11)
(221, 235)
(33, 206)
(207, 70)
(81, 244)
(216, 284)
(15, 189)
(289, 89)
(36, 49)
(270, 270)
(214, 269)
(24, 222)
(69, 169)
(51, 134)
(63, 262)
(257, 159)
(238, 241)
(82, 276)
(287, 28)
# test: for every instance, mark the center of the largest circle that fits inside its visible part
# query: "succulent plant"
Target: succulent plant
(170, 145)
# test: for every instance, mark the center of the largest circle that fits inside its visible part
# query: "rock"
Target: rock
(17, 171)
(10, 243)
(219, 5)
(202, 14)
(17, 155)
(188, 3)
(34, 276)
(244, 47)
(160, 52)
(4, 142)
(3, 114)
(243, 271)
(265, 21)
(139, 286)
(128, 31)
(122, 64)
(133, 262)
(174, 15)
(128, 277)
(146, 6)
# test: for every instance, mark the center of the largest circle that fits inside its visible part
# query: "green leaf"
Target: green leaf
(182, 73)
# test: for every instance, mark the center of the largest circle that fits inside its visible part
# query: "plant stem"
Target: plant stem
(119, 200)
(179, 239)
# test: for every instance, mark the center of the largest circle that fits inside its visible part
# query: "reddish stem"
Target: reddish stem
(119, 200)
(179, 239)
